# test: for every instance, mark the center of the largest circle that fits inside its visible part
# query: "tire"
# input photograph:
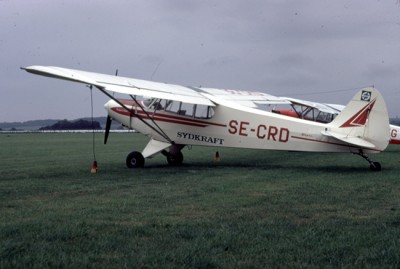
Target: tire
(375, 166)
(135, 159)
(175, 160)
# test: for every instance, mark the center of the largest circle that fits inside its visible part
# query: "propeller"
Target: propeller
(109, 119)
(108, 126)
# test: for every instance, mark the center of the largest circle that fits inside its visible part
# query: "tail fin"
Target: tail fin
(364, 122)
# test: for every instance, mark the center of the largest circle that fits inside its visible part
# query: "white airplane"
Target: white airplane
(174, 116)
(394, 134)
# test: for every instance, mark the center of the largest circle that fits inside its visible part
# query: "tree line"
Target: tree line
(73, 125)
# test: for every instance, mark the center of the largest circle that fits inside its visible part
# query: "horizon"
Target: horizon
(54, 119)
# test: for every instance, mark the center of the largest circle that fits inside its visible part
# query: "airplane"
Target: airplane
(175, 116)
(394, 134)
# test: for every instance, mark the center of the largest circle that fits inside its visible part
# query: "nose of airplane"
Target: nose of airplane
(109, 105)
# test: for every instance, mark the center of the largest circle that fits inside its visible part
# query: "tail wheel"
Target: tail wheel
(175, 159)
(375, 166)
(135, 159)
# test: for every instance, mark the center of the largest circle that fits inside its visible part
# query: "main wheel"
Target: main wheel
(375, 166)
(175, 159)
(134, 159)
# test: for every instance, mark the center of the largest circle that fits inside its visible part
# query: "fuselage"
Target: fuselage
(226, 126)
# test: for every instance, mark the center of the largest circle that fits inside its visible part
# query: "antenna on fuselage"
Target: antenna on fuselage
(116, 74)
(155, 69)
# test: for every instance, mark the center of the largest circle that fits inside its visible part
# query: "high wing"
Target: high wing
(191, 95)
(254, 99)
(245, 98)
(125, 85)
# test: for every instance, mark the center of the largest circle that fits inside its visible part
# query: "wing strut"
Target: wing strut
(159, 131)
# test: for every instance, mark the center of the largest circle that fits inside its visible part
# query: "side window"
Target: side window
(203, 112)
(186, 109)
(325, 117)
(158, 104)
(147, 102)
(173, 106)
(299, 110)
(190, 110)
(179, 108)
(309, 114)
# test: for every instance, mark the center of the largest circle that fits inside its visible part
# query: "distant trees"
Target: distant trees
(73, 125)
(395, 121)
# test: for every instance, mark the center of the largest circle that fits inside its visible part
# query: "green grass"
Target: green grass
(253, 209)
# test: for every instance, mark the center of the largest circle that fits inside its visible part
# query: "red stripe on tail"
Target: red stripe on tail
(360, 118)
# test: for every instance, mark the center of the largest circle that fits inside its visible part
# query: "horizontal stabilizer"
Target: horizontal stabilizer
(352, 140)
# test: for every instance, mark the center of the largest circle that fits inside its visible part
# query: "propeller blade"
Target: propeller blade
(108, 126)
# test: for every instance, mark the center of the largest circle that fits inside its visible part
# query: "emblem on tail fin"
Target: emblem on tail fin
(366, 96)
(360, 118)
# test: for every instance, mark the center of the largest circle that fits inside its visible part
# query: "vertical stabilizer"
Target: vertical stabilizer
(363, 122)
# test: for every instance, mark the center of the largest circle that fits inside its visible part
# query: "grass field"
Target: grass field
(253, 209)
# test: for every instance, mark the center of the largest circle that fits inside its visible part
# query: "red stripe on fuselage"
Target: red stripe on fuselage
(394, 141)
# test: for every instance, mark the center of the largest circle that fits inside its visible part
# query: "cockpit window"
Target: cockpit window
(173, 106)
(190, 110)
(147, 102)
(203, 112)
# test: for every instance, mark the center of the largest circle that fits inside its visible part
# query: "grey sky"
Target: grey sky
(321, 50)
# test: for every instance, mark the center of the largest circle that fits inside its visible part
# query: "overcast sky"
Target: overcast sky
(317, 50)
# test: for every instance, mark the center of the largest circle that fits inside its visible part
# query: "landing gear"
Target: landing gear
(373, 166)
(175, 159)
(135, 159)
(174, 156)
